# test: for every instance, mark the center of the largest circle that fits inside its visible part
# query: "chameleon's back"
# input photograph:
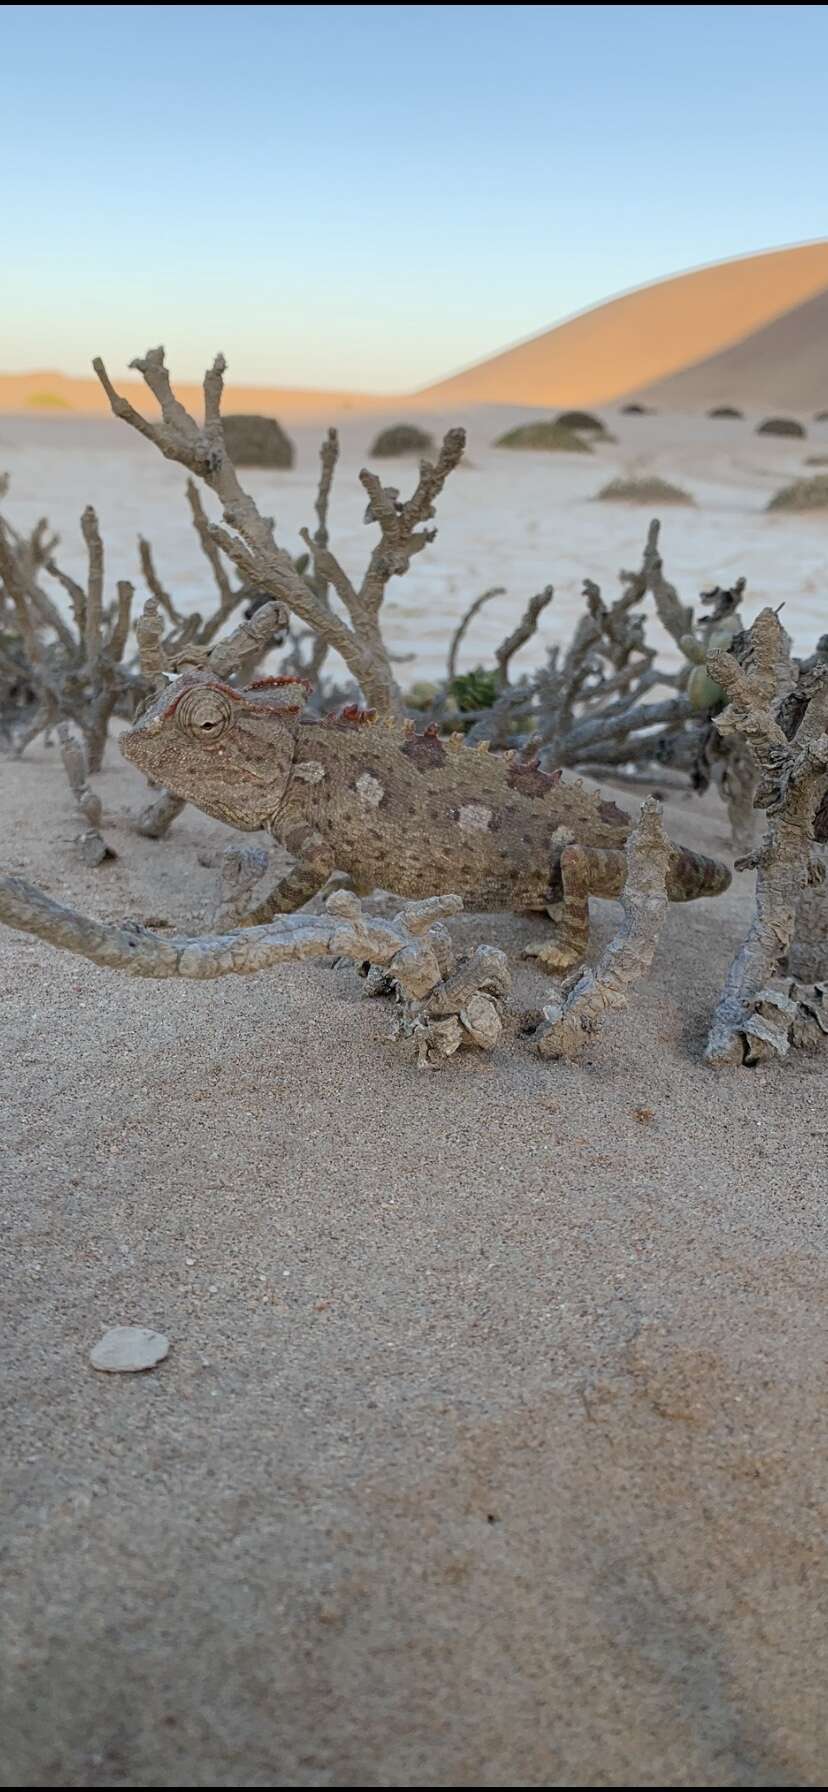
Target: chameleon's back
(418, 815)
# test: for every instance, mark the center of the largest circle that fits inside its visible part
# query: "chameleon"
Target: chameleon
(409, 812)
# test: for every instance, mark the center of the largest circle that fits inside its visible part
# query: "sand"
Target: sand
(490, 1446)
(513, 519)
(784, 366)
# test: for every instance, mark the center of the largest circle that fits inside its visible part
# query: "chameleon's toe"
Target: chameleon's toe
(553, 957)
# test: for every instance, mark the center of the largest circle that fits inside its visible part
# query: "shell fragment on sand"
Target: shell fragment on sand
(128, 1348)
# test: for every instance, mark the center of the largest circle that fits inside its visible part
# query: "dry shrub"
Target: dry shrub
(257, 442)
(546, 434)
(780, 426)
(803, 494)
(646, 490)
(582, 422)
(402, 438)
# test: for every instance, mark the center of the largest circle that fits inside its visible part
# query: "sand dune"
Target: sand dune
(51, 393)
(629, 343)
(784, 364)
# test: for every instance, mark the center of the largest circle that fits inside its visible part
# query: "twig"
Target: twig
(793, 781)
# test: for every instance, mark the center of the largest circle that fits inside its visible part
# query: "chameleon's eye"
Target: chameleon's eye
(204, 713)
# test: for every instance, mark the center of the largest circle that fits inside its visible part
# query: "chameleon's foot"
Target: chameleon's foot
(554, 956)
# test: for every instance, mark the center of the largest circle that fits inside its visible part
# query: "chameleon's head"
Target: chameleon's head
(227, 751)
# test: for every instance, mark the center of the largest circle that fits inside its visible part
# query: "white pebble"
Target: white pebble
(127, 1348)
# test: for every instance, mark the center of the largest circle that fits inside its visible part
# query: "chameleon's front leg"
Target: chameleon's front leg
(584, 871)
(314, 865)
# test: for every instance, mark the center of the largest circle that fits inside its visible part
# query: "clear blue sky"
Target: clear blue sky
(373, 196)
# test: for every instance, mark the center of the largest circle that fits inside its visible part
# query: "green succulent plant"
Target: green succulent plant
(704, 694)
(475, 690)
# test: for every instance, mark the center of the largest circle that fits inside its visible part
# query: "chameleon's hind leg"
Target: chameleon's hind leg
(584, 871)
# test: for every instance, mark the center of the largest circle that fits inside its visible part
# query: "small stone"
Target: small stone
(128, 1348)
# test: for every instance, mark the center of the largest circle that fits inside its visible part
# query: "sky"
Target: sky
(370, 197)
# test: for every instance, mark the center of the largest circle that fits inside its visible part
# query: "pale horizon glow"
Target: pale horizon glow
(370, 198)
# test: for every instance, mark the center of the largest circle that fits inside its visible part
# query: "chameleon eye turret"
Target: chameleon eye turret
(204, 713)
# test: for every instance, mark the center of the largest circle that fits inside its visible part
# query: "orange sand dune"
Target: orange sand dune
(784, 365)
(54, 394)
(629, 343)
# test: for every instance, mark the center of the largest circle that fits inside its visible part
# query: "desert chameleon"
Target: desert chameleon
(394, 808)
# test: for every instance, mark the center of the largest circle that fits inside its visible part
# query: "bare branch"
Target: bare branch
(93, 847)
(201, 524)
(94, 590)
(161, 596)
(457, 638)
(526, 628)
(747, 1025)
(402, 945)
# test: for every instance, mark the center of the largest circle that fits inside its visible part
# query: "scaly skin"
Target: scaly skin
(396, 809)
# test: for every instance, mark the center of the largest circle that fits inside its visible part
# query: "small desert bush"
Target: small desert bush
(804, 494)
(647, 490)
(582, 422)
(815, 460)
(637, 410)
(549, 435)
(780, 426)
(725, 410)
(257, 442)
(402, 438)
(48, 401)
(821, 417)
(475, 690)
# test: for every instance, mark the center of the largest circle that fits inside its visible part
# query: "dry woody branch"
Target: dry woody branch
(248, 538)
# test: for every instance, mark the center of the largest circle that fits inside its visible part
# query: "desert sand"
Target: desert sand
(512, 519)
(490, 1448)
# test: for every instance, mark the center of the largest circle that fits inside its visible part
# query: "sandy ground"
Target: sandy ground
(491, 1444)
(516, 520)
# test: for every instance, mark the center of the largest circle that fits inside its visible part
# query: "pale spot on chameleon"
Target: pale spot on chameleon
(474, 817)
(369, 789)
(310, 771)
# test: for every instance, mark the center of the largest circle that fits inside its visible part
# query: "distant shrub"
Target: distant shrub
(48, 401)
(549, 435)
(475, 690)
(780, 426)
(637, 410)
(804, 494)
(402, 438)
(815, 460)
(821, 417)
(257, 442)
(647, 490)
(582, 422)
(725, 410)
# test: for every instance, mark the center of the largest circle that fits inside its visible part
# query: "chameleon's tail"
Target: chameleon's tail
(691, 875)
